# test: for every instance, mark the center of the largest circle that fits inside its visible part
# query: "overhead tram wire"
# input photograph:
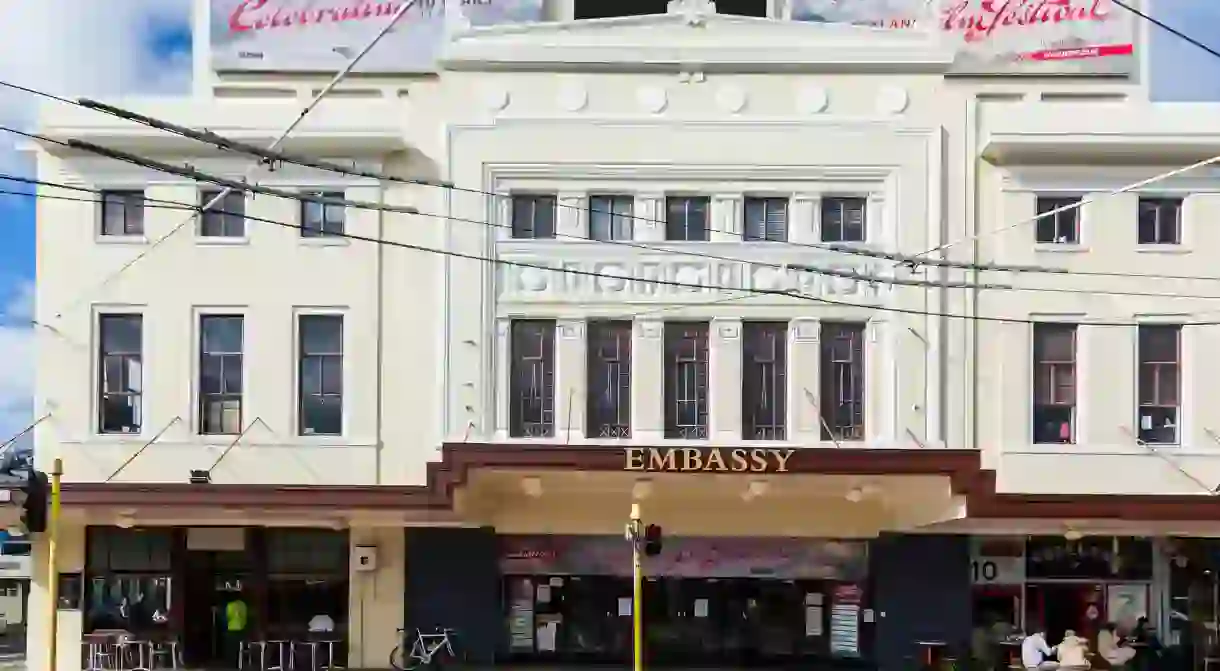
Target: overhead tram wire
(192, 173)
(274, 156)
(167, 204)
(284, 134)
(279, 156)
(1168, 28)
(687, 285)
(240, 185)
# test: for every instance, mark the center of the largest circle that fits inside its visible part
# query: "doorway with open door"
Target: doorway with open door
(213, 580)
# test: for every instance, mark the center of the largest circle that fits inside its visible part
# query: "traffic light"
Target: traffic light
(652, 540)
(34, 511)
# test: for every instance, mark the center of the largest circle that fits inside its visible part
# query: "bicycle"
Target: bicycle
(423, 650)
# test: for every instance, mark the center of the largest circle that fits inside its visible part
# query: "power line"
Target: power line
(1168, 28)
(309, 107)
(674, 283)
(278, 156)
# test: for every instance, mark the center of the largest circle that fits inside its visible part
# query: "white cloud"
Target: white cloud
(82, 47)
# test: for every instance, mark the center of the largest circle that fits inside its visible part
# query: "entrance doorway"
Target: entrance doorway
(212, 580)
(1063, 606)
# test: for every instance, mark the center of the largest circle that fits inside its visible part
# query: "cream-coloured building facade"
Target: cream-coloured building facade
(739, 108)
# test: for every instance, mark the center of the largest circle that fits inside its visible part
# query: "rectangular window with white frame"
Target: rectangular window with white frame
(225, 219)
(1058, 220)
(221, 360)
(610, 217)
(844, 219)
(1054, 359)
(122, 213)
(1160, 221)
(120, 373)
(533, 217)
(320, 372)
(687, 218)
(766, 220)
(319, 220)
(1159, 349)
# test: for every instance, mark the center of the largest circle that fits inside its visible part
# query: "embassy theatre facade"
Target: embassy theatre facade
(667, 273)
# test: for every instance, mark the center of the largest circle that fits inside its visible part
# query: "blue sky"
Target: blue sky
(112, 48)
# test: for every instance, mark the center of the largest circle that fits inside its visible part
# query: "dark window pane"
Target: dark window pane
(686, 219)
(842, 383)
(844, 219)
(321, 415)
(321, 334)
(764, 391)
(533, 217)
(686, 380)
(610, 217)
(532, 379)
(609, 374)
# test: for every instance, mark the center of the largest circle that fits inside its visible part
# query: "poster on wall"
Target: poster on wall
(324, 35)
(1003, 37)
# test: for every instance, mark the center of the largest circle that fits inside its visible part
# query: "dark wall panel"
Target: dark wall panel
(453, 580)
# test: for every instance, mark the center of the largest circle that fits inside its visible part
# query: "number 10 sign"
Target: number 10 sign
(997, 570)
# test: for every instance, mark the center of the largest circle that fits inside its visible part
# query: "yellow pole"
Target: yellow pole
(637, 590)
(57, 472)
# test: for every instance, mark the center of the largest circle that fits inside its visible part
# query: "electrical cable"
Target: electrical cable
(283, 135)
(1085, 321)
(1168, 28)
(273, 157)
(309, 197)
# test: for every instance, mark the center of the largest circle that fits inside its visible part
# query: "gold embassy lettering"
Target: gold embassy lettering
(715, 460)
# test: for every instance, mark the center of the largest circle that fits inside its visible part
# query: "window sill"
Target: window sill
(325, 241)
(1058, 248)
(219, 241)
(1163, 249)
(121, 239)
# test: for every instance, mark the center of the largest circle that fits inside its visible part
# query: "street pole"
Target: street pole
(637, 589)
(57, 471)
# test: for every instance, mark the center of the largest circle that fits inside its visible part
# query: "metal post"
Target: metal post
(637, 590)
(57, 471)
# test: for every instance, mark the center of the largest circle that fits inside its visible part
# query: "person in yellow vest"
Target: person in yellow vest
(237, 615)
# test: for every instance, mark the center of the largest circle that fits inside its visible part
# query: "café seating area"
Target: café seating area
(117, 650)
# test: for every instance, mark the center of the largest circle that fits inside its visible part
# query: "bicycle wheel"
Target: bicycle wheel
(401, 662)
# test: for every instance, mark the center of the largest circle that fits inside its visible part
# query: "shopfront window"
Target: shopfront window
(307, 576)
(1194, 599)
(1094, 558)
(129, 585)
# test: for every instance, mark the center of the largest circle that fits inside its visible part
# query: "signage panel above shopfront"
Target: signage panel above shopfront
(1003, 37)
(711, 460)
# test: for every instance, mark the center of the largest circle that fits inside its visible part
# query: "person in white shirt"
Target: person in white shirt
(1073, 652)
(1035, 652)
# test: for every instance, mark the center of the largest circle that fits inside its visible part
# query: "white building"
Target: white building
(448, 428)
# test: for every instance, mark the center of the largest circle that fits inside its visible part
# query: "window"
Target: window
(533, 217)
(321, 375)
(842, 383)
(220, 374)
(531, 390)
(225, 219)
(121, 373)
(1160, 221)
(129, 584)
(686, 219)
(1054, 355)
(844, 219)
(1159, 348)
(686, 390)
(766, 219)
(1061, 228)
(122, 213)
(323, 219)
(609, 373)
(599, 9)
(764, 388)
(307, 574)
(610, 217)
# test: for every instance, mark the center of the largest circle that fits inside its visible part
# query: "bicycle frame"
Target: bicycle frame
(424, 651)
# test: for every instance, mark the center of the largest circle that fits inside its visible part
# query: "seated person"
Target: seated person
(1111, 646)
(1035, 652)
(1073, 652)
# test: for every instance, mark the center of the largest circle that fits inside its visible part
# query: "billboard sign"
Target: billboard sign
(324, 35)
(1003, 37)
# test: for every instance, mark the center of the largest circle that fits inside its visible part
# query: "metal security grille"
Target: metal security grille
(764, 388)
(532, 379)
(609, 372)
(686, 375)
(842, 403)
